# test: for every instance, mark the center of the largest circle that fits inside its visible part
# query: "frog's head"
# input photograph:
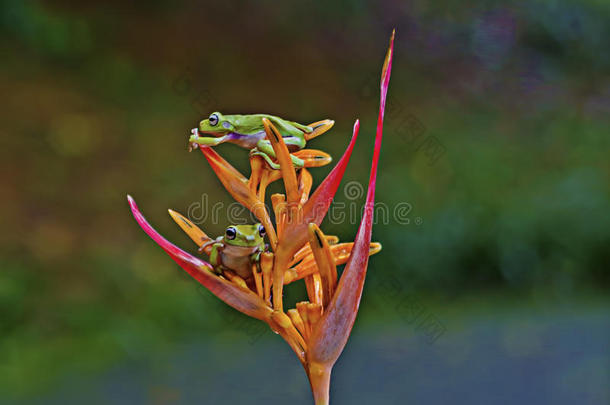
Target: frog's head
(216, 124)
(245, 235)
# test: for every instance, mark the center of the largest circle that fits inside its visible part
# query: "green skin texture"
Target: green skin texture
(248, 131)
(238, 254)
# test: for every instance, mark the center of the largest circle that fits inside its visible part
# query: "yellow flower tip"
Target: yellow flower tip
(374, 248)
(325, 262)
(332, 239)
(281, 319)
(192, 230)
(319, 127)
(289, 276)
(313, 284)
(236, 279)
(296, 319)
(313, 157)
(285, 322)
(314, 311)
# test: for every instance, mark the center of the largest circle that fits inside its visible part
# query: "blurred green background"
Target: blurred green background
(494, 173)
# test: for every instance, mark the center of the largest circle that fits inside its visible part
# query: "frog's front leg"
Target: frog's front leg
(264, 149)
(215, 260)
(256, 256)
(205, 140)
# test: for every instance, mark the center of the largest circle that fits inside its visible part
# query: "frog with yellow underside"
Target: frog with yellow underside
(238, 249)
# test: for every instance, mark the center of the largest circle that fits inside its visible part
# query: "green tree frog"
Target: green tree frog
(238, 249)
(248, 132)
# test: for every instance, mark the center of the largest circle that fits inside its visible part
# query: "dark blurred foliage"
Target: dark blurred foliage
(496, 136)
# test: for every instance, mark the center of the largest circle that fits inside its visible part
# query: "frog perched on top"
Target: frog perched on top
(248, 132)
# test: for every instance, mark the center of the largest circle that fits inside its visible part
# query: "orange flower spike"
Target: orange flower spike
(237, 185)
(330, 334)
(283, 157)
(243, 300)
(325, 261)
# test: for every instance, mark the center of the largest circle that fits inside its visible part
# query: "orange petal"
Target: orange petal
(313, 283)
(313, 157)
(278, 202)
(306, 250)
(192, 230)
(256, 171)
(319, 127)
(308, 265)
(305, 182)
(298, 322)
(283, 157)
(325, 261)
(268, 177)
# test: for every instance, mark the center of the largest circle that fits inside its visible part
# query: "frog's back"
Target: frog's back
(252, 124)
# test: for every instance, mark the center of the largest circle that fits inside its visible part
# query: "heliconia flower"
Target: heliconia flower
(318, 329)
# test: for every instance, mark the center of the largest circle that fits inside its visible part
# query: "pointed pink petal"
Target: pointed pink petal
(331, 333)
(240, 299)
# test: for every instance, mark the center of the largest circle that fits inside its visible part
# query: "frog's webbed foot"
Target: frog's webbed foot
(195, 140)
(194, 135)
(210, 242)
(256, 256)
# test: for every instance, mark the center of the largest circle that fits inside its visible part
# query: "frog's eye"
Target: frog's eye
(261, 230)
(213, 120)
(231, 233)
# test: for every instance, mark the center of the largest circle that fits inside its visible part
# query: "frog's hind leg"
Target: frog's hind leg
(265, 150)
